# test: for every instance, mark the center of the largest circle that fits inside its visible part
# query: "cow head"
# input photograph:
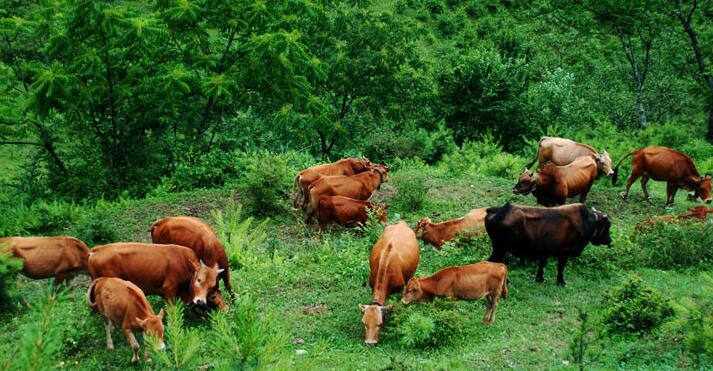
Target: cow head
(420, 227)
(526, 183)
(153, 326)
(601, 229)
(361, 165)
(382, 171)
(412, 291)
(216, 300)
(604, 164)
(702, 189)
(205, 279)
(373, 321)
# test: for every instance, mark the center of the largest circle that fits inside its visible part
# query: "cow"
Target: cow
(675, 168)
(347, 212)
(696, 213)
(561, 151)
(359, 187)
(468, 282)
(44, 257)
(393, 261)
(346, 166)
(124, 305)
(197, 235)
(437, 234)
(553, 185)
(168, 270)
(539, 233)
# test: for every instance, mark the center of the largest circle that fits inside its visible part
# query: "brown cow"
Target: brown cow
(561, 152)
(44, 257)
(467, 282)
(393, 261)
(696, 213)
(359, 187)
(437, 234)
(346, 166)
(167, 270)
(123, 304)
(553, 185)
(347, 212)
(665, 164)
(198, 236)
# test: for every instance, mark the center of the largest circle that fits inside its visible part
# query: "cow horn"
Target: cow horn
(202, 264)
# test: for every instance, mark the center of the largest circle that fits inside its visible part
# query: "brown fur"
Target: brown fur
(346, 212)
(437, 234)
(124, 305)
(467, 282)
(393, 261)
(346, 166)
(552, 185)
(696, 213)
(45, 257)
(167, 270)
(664, 164)
(561, 152)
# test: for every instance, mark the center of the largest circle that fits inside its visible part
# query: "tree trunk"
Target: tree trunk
(640, 104)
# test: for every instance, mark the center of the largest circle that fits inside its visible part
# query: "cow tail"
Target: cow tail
(504, 283)
(616, 169)
(91, 298)
(299, 194)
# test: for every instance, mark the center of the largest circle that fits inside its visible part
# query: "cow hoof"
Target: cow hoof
(561, 284)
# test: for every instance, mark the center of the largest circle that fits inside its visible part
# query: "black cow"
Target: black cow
(539, 233)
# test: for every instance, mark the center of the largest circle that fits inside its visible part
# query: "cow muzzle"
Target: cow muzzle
(200, 302)
(370, 343)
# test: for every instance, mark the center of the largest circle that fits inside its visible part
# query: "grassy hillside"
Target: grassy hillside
(308, 289)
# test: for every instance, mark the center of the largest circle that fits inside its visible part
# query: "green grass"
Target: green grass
(533, 329)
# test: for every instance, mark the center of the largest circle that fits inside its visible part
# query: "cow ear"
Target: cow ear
(161, 313)
(387, 308)
(362, 307)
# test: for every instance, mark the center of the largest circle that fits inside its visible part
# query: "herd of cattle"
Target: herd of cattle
(186, 259)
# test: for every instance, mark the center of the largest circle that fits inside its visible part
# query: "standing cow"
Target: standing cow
(664, 164)
(44, 257)
(539, 233)
(393, 261)
(346, 166)
(561, 151)
(553, 185)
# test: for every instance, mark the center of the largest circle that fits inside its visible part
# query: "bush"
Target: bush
(676, 245)
(428, 326)
(9, 267)
(264, 183)
(412, 189)
(485, 156)
(694, 317)
(40, 218)
(95, 228)
(635, 307)
(241, 237)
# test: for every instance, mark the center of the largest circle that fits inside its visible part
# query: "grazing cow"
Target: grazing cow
(44, 257)
(437, 234)
(665, 164)
(393, 261)
(553, 185)
(560, 152)
(124, 305)
(359, 187)
(696, 213)
(468, 282)
(198, 236)
(167, 270)
(346, 166)
(347, 212)
(539, 233)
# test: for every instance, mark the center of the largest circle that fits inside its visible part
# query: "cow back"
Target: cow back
(394, 258)
(193, 233)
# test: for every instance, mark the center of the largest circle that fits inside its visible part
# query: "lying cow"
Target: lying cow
(553, 185)
(437, 234)
(124, 305)
(347, 212)
(393, 261)
(198, 236)
(539, 233)
(664, 164)
(359, 187)
(696, 213)
(346, 166)
(168, 270)
(468, 282)
(44, 257)
(560, 152)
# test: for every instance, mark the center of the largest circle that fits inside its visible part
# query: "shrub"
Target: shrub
(201, 170)
(241, 236)
(9, 266)
(264, 182)
(485, 156)
(95, 228)
(39, 218)
(676, 245)
(182, 344)
(427, 326)
(412, 190)
(635, 307)
(694, 317)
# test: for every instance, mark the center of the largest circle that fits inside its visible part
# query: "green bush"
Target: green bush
(427, 325)
(676, 245)
(485, 156)
(95, 228)
(9, 267)
(635, 307)
(39, 218)
(241, 236)
(264, 182)
(694, 317)
(412, 189)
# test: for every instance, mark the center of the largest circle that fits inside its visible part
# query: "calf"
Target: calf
(347, 212)
(438, 233)
(467, 282)
(167, 270)
(696, 213)
(553, 185)
(44, 257)
(345, 166)
(123, 304)
(393, 261)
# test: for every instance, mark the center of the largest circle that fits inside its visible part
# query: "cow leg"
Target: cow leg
(109, 342)
(644, 180)
(671, 190)
(634, 175)
(494, 306)
(561, 262)
(541, 271)
(496, 257)
(488, 308)
(133, 344)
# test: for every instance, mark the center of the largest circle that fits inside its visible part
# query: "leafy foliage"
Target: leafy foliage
(635, 307)
(241, 236)
(694, 317)
(676, 245)
(9, 267)
(182, 343)
(418, 328)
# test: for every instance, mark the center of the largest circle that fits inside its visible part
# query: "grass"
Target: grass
(533, 327)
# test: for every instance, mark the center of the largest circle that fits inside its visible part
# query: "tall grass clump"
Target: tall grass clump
(40, 343)
(182, 344)
(635, 307)
(412, 189)
(676, 245)
(242, 236)
(420, 326)
(485, 157)
(9, 267)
